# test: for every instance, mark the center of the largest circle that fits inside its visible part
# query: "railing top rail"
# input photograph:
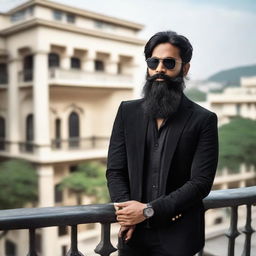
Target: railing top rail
(230, 197)
(26, 218)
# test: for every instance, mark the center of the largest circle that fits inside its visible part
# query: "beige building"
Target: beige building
(63, 73)
(235, 101)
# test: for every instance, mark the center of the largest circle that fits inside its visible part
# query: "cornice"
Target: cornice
(70, 28)
(81, 12)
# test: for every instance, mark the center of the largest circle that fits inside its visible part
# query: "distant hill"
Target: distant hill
(231, 77)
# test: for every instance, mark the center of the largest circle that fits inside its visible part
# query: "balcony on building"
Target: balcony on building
(82, 70)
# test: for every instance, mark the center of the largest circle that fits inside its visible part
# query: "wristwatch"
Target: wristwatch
(148, 211)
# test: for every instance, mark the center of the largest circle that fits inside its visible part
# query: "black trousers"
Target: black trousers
(144, 242)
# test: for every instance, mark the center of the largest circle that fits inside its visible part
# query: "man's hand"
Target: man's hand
(131, 213)
(126, 232)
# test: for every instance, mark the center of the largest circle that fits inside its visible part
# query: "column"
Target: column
(65, 61)
(41, 103)
(22, 241)
(112, 64)
(46, 198)
(139, 72)
(13, 124)
(2, 247)
(88, 61)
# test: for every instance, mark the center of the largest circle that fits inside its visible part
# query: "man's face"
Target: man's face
(164, 87)
(167, 50)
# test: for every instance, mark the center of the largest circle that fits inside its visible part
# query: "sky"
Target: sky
(222, 32)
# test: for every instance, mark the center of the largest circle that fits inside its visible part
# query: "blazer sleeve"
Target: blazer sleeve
(117, 171)
(203, 171)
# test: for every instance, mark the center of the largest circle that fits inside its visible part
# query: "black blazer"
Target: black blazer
(189, 170)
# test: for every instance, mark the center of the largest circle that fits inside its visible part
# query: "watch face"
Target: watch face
(148, 212)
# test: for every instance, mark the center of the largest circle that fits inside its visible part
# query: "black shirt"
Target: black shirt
(153, 160)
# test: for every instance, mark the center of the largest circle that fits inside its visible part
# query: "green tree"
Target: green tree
(237, 143)
(18, 183)
(90, 180)
(195, 94)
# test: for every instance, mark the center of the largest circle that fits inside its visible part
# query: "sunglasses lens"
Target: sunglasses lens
(152, 63)
(169, 63)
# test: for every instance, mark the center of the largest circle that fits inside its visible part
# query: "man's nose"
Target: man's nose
(160, 68)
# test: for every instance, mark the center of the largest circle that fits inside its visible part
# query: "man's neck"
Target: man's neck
(159, 122)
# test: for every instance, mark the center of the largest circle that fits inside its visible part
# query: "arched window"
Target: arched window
(53, 60)
(29, 132)
(58, 133)
(73, 129)
(2, 133)
(28, 68)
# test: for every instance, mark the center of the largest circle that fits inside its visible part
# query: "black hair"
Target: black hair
(173, 38)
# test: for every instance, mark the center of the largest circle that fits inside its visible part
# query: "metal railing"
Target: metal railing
(76, 143)
(33, 218)
(93, 142)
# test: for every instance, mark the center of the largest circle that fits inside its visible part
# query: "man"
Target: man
(162, 158)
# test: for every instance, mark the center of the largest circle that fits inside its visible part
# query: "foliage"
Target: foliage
(89, 179)
(195, 94)
(18, 182)
(237, 143)
(231, 77)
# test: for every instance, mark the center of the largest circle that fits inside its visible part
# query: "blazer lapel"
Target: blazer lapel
(140, 137)
(177, 125)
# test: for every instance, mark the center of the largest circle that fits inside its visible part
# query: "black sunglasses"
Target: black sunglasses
(169, 63)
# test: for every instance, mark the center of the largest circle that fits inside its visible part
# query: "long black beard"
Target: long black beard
(162, 98)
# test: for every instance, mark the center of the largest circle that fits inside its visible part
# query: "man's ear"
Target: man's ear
(186, 68)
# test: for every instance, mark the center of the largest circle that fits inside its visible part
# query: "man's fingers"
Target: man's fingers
(123, 204)
(129, 234)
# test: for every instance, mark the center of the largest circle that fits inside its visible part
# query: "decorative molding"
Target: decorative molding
(70, 28)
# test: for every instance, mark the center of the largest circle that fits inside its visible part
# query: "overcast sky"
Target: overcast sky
(222, 32)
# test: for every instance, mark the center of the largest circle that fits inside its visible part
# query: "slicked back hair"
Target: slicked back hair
(173, 38)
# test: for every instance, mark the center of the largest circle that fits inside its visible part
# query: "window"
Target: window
(18, 16)
(53, 60)
(75, 63)
(119, 68)
(28, 68)
(58, 194)
(99, 24)
(3, 73)
(64, 250)
(99, 65)
(2, 133)
(62, 231)
(70, 18)
(73, 168)
(30, 10)
(21, 15)
(58, 133)
(57, 15)
(10, 248)
(73, 130)
(29, 132)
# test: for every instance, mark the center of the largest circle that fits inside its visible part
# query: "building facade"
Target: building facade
(63, 73)
(235, 101)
